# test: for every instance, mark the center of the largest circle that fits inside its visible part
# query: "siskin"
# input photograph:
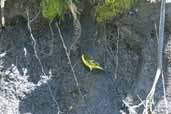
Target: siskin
(91, 64)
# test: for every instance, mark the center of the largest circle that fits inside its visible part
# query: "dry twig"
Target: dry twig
(117, 48)
(150, 97)
(2, 13)
(69, 60)
(37, 57)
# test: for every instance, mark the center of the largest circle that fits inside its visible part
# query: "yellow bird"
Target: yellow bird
(91, 64)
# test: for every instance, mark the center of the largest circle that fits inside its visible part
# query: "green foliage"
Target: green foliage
(52, 8)
(111, 8)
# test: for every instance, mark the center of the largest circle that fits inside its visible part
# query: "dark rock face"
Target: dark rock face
(129, 62)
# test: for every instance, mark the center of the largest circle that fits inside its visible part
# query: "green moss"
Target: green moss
(52, 8)
(111, 8)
